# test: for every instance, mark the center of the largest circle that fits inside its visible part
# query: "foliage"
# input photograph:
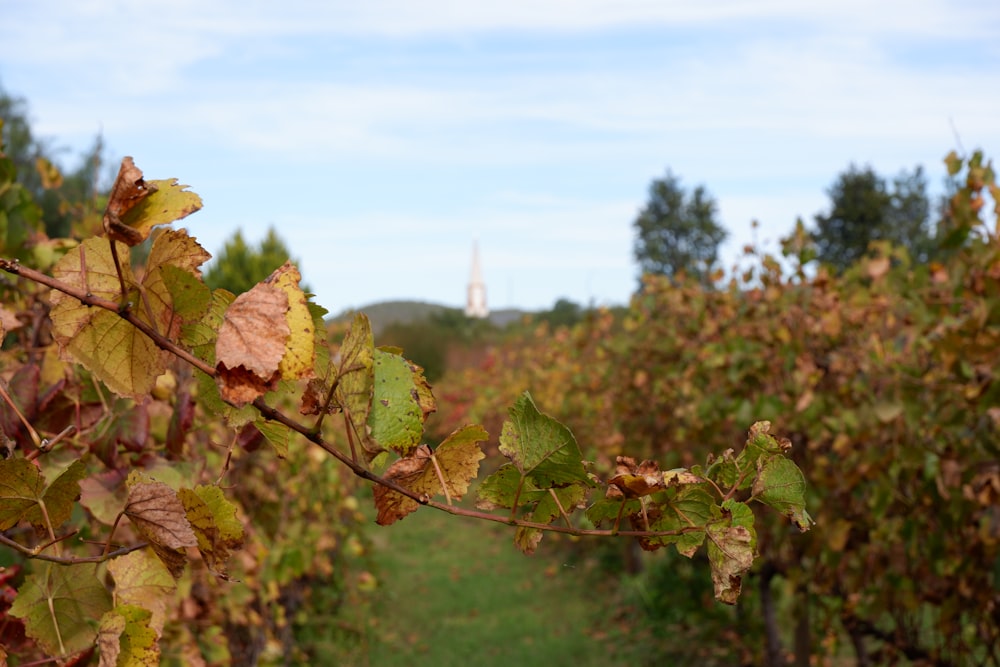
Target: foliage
(239, 266)
(864, 209)
(884, 380)
(137, 408)
(677, 232)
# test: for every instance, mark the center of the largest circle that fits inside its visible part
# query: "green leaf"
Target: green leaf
(500, 488)
(782, 485)
(691, 507)
(189, 295)
(396, 418)
(540, 447)
(142, 579)
(277, 435)
(61, 606)
(126, 638)
(731, 549)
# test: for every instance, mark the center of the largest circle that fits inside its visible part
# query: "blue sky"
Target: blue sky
(382, 138)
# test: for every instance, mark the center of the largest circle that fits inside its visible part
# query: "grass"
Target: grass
(457, 592)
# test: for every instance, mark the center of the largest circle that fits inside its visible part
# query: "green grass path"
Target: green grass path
(456, 592)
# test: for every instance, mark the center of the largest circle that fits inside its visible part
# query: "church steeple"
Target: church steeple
(475, 304)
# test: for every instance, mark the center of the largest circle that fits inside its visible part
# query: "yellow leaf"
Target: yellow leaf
(300, 347)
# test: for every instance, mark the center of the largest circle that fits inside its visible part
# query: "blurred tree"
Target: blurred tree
(677, 232)
(65, 199)
(864, 209)
(239, 266)
(564, 313)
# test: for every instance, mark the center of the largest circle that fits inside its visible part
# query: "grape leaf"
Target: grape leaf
(142, 579)
(356, 380)
(61, 605)
(105, 495)
(60, 496)
(157, 513)
(128, 190)
(781, 485)
(540, 447)
(136, 206)
(458, 460)
(214, 521)
(21, 488)
(399, 403)
(121, 356)
(126, 638)
(23, 494)
(277, 435)
(732, 544)
(691, 507)
(251, 344)
(300, 350)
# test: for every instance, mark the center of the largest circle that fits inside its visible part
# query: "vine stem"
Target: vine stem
(17, 411)
(69, 560)
(273, 414)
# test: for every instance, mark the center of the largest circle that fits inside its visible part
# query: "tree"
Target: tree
(239, 266)
(677, 232)
(864, 209)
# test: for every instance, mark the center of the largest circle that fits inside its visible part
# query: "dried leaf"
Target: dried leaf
(126, 638)
(457, 458)
(128, 190)
(157, 513)
(732, 544)
(251, 344)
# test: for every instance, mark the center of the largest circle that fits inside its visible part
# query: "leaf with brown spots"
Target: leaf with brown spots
(251, 344)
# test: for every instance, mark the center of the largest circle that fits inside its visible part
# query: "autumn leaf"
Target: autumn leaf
(142, 579)
(400, 403)
(120, 355)
(732, 545)
(157, 513)
(21, 488)
(61, 606)
(126, 638)
(457, 459)
(356, 380)
(135, 206)
(128, 190)
(24, 494)
(298, 359)
(251, 344)
(214, 521)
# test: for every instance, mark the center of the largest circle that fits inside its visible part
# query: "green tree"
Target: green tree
(678, 232)
(863, 208)
(240, 266)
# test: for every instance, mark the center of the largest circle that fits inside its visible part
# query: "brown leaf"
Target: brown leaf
(129, 189)
(457, 459)
(158, 514)
(251, 343)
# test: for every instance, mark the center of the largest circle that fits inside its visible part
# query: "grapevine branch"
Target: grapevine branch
(310, 433)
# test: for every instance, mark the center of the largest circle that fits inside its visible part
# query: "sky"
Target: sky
(383, 138)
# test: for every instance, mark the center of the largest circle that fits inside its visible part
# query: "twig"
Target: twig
(69, 560)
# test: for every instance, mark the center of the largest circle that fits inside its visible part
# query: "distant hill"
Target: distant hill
(384, 313)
